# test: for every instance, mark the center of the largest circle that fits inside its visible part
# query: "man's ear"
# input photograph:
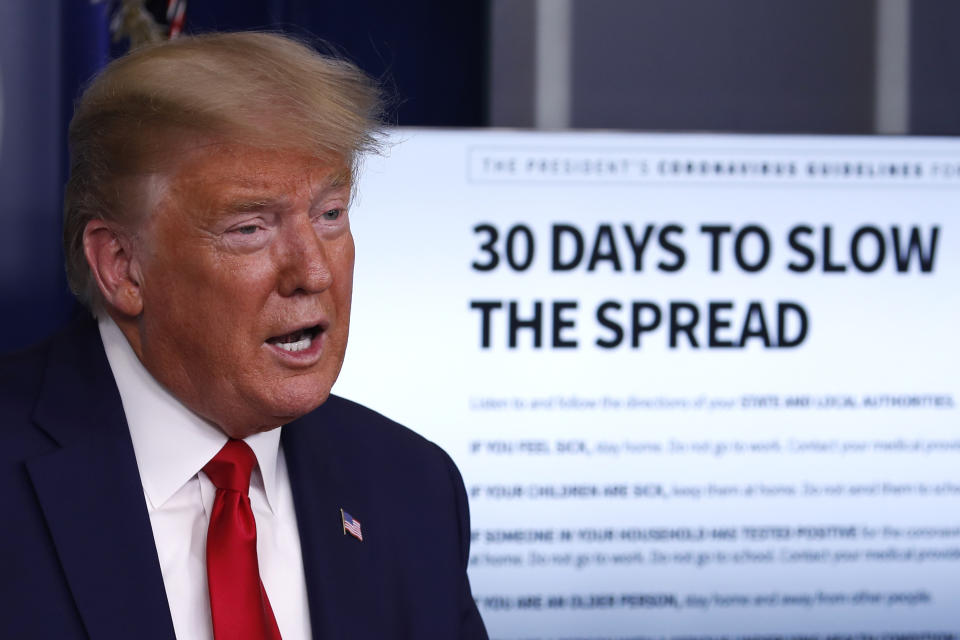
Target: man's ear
(109, 254)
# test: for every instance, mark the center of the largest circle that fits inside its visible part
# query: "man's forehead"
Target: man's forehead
(229, 171)
(267, 182)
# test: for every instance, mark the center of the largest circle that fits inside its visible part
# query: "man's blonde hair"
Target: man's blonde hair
(260, 89)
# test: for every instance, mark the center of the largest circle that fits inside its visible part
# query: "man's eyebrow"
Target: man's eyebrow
(254, 205)
(339, 180)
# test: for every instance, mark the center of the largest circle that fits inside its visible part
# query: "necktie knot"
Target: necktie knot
(230, 469)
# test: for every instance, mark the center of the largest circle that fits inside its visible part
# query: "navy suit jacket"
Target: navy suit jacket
(77, 557)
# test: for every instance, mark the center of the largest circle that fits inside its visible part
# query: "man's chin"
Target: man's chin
(264, 416)
(293, 404)
(257, 408)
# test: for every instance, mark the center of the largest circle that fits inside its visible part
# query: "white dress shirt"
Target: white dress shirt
(172, 444)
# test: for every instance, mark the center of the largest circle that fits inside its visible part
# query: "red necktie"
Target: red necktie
(238, 601)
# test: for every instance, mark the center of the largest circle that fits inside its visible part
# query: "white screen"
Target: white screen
(801, 479)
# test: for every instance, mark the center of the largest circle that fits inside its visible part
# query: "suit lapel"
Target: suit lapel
(91, 496)
(344, 575)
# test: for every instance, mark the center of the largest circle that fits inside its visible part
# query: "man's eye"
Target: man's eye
(247, 230)
(332, 214)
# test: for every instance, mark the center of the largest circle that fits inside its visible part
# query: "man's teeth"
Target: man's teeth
(299, 345)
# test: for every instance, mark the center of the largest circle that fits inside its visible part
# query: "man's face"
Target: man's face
(246, 270)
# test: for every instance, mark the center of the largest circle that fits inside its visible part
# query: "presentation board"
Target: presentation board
(697, 385)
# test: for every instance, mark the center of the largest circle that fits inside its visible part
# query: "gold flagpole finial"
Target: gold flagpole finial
(135, 22)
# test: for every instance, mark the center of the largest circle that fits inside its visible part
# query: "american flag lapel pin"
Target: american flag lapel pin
(350, 525)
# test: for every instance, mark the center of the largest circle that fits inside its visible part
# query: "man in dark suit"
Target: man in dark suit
(177, 466)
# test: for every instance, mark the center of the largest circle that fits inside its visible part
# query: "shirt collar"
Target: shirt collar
(172, 443)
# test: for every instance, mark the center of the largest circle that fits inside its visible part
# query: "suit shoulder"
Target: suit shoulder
(360, 437)
(31, 376)
(21, 376)
(354, 422)
(22, 372)
(401, 462)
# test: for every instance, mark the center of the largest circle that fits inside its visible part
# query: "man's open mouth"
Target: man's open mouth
(299, 340)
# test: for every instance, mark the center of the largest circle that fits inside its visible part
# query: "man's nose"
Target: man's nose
(304, 262)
